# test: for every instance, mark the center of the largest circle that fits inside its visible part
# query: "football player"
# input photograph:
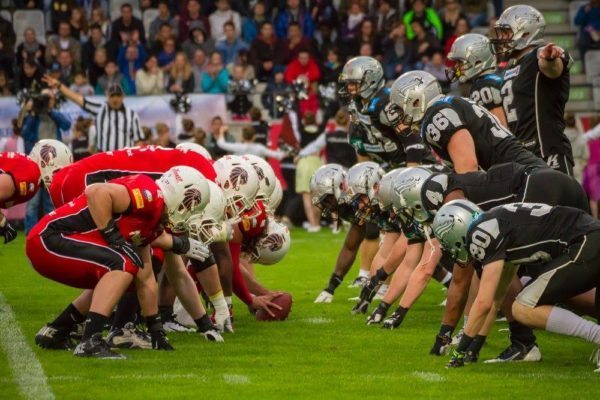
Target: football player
(461, 132)
(535, 85)
(560, 243)
(101, 239)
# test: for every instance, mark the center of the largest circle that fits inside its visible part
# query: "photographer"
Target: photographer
(239, 88)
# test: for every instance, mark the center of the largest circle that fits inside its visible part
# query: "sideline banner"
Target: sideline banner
(151, 109)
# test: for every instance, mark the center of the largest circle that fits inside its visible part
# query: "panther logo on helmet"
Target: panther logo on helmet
(191, 199)
(47, 154)
(237, 177)
(442, 229)
(274, 242)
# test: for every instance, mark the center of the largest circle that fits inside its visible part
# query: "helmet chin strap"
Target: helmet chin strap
(431, 246)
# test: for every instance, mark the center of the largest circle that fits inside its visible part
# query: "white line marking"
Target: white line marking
(236, 379)
(27, 370)
(317, 320)
(429, 376)
(158, 377)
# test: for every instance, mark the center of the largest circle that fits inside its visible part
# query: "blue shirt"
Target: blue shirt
(230, 51)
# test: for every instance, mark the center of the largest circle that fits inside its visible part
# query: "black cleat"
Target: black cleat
(53, 338)
(96, 347)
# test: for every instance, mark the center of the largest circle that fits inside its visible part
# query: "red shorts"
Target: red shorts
(77, 260)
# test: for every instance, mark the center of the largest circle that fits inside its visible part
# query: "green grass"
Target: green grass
(320, 352)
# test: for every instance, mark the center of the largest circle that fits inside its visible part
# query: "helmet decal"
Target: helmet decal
(274, 242)
(192, 198)
(47, 154)
(237, 177)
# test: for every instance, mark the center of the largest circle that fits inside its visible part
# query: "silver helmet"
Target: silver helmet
(517, 28)
(366, 72)
(407, 188)
(434, 191)
(385, 191)
(451, 224)
(473, 56)
(362, 180)
(412, 93)
(327, 187)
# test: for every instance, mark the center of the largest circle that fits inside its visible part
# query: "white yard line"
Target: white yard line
(27, 370)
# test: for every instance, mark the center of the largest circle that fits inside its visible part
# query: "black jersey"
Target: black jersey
(494, 144)
(524, 233)
(485, 91)
(371, 134)
(338, 150)
(346, 212)
(535, 106)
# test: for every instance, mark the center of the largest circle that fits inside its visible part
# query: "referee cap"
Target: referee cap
(115, 89)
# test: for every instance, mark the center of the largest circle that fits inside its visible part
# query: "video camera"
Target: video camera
(41, 101)
(241, 87)
(298, 91)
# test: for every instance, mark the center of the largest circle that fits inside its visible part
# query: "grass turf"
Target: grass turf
(320, 351)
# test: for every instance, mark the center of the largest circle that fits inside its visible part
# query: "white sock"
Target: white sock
(228, 300)
(219, 303)
(363, 273)
(465, 319)
(567, 323)
(383, 288)
(447, 278)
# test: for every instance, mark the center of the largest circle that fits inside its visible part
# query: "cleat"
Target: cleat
(77, 331)
(393, 321)
(471, 357)
(457, 337)
(96, 347)
(128, 338)
(170, 324)
(381, 292)
(52, 338)
(359, 282)
(518, 352)
(324, 297)
(213, 335)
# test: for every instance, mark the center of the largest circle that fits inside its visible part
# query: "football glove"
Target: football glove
(190, 248)
(324, 297)
(394, 320)
(117, 242)
(457, 359)
(7, 231)
(379, 314)
(212, 335)
(441, 345)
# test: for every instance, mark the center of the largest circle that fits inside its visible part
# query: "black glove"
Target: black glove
(117, 242)
(395, 320)
(457, 359)
(8, 232)
(157, 333)
(379, 314)
(370, 289)
(440, 347)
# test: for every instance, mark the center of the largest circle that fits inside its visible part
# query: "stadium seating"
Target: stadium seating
(149, 16)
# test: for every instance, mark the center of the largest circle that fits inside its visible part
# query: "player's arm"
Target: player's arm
(106, 199)
(550, 60)
(422, 274)
(461, 149)
(7, 190)
(499, 113)
(182, 245)
(68, 93)
(362, 157)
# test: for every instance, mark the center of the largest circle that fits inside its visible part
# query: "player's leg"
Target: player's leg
(208, 276)
(368, 250)
(222, 256)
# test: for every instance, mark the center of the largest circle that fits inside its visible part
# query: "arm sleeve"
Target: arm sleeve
(408, 17)
(314, 147)
(592, 134)
(434, 18)
(238, 148)
(580, 17)
(91, 106)
(239, 285)
(136, 132)
(207, 83)
(277, 154)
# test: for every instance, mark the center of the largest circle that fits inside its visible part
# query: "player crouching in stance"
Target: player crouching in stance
(101, 241)
(560, 245)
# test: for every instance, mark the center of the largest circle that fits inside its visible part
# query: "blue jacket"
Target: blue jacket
(583, 19)
(283, 22)
(230, 51)
(31, 128)
(216, 85)
(124, 64)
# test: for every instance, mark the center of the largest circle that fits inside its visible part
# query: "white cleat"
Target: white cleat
(324, 297)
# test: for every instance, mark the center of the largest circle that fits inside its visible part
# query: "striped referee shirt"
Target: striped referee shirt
(115, 129)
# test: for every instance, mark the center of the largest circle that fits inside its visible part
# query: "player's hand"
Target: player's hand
(324, 297)
(457, 359)
(7, 231)
(393, 321)
(550, 52)
(264, 303)
(159, 340)
(441, 346)
(379, 314)
(370, 289)
(51, 82)
(190, 248)
(117, 242)
(361, 307)
(213, 335)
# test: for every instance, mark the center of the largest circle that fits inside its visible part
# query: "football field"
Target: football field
(321, 351)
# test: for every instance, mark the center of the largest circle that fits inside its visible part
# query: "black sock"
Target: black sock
(521, 333)
(334, 282)
(126, 310)
(203, 323)
(69, 317)
(94, 323)
(381, 274)
(446, 330)
(477, 344)
(401, 312)
(166, 312)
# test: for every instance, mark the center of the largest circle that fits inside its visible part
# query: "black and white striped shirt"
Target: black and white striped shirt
(115, 129)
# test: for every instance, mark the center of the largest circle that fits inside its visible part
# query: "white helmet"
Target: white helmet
(239, 182)
(517, 28)
(412, 93)
(273, 246)
(266, 176)
(186, 193)
(197, 148)
(50, 155)
(209, 223)
(473, 56)
(275, 198)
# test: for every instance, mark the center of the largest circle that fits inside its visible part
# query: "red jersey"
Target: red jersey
(140, 226)
(25, 174)
(153, 161)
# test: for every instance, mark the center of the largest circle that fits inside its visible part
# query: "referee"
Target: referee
(116, 125)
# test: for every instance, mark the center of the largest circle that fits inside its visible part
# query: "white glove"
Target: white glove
(324, 297)
(223, 324)
(223, 235)
(198, 250)
(212, 335)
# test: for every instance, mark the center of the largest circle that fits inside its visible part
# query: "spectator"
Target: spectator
(588, 20)
(303, 67)
(146, 136)
(164, 33)
(199, 63)
(332, 68)
(366, 35)
(163, 134)
(8, 37)
(251, 26)
(323, 12)
(188, 134)
(99, 18)
(289, 48)
(423, 44)
(180, 78)
(351, 27)
(95, 41)
(260, 126)
(397, 57)
(426, 16)
(249, 73)
(192, 18)
(30, 48)
(248, 145)
(79, 24)
(66, 67)
(29, 75)
(215, 78)
(436, 67)
(198, 40)
(462, 27)
(275, 87)
(210, 142)
(224, 14)
(126, 28)
(112, 77)
(96, 69)
(326, 38)
(294, 12)
(80, 85)
(264, 48)
(150, 79)
(385, 17)
(14, 142)
(167, 55)
(130, 59)
(199, 136)
(231, 45)
(63, 41)
(5, 87)
(581, 153)
(60, 11)
(163, 17)
(80, 139)
(450, 16)
(476, 11)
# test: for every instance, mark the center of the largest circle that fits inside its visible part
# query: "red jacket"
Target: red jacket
(295, 69)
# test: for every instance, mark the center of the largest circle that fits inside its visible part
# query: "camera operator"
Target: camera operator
(239, 88)
(38, 119)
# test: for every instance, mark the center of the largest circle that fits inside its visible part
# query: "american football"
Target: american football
(284, 301)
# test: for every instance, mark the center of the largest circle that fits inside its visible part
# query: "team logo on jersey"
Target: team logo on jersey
(274, 242)
(47, 154)
(138, 198)
(511, 73)
(191, 199)
(237, 178)
(23, 188)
